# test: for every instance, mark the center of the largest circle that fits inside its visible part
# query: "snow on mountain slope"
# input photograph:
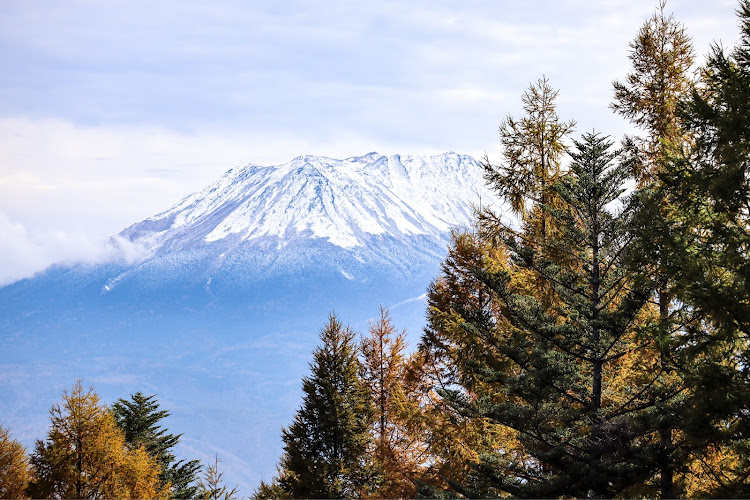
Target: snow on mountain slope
(341, 201)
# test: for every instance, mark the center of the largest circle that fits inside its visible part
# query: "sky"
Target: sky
(111, 112)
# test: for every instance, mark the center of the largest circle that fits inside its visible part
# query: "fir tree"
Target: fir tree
(709, 225)
(325, 448)
(139, 420)
(566, 371)
(212, 487)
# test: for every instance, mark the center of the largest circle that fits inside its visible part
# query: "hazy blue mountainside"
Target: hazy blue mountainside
(220, 313)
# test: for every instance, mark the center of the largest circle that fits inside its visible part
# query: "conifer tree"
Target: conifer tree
(85, 455)
(139, 420)
(708, 260)
(661, 56)
(454, 441)
(212, 487)
(533, 148)
(396, 452)
(566, 373)
(14, 467)
(325, 448)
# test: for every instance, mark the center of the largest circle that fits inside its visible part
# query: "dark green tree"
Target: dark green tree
(325, 448)
(567, 371)
(139, 418)
(709, 263)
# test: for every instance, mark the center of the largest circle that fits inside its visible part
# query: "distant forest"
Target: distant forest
(597, 347)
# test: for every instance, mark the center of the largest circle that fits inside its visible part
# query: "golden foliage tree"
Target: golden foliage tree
(85, 455)
(14, 467)
(397, 451)
(533, 149)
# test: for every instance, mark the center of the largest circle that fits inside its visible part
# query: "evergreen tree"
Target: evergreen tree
(85, 455)
(566, 372)
(14, 467)
(212, 487)
(709, 225)
(139, 418)
(325, 448)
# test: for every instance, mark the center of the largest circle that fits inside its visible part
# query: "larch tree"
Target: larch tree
(14, 467)
(396, 451)
(533, 148)
(454, 441)
(326, 447)
(85, 455)
(139, 418)
(661, 56)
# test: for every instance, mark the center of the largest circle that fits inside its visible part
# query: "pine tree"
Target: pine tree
(325, 448)
(566, 372)
(139, 418)
(14, 467)
(85, 455)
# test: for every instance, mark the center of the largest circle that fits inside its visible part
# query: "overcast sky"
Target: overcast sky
(112, 111)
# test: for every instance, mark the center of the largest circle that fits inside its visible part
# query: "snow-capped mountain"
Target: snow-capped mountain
(354, 204)
(342, 201)
(219, 315)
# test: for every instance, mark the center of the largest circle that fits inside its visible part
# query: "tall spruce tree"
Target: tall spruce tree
(567, 372)
(139, 419)
(326, 447)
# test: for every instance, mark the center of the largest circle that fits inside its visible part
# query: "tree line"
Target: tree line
(596, 346)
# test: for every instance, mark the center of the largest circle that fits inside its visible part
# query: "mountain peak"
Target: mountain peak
(344, 202)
